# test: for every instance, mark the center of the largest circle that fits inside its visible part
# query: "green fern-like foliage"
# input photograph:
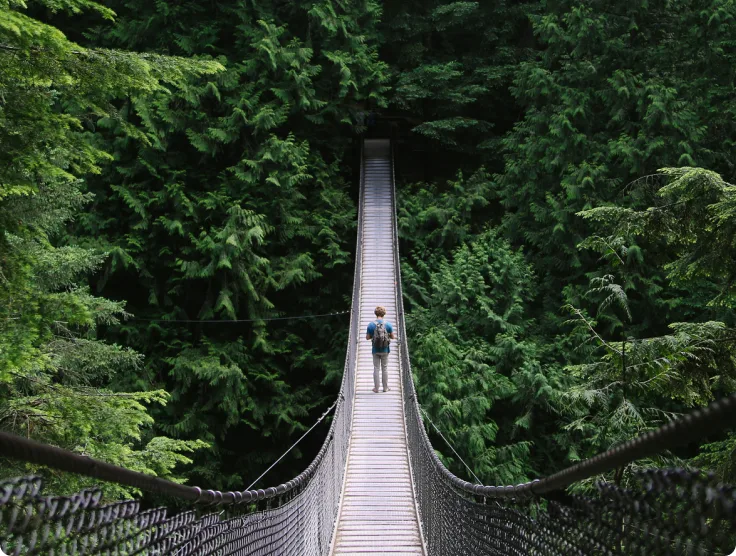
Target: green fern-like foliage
(689, 219)
(57, 380)
(462, 368)
(198, 161)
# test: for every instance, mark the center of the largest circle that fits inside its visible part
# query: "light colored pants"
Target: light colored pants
(380, 360)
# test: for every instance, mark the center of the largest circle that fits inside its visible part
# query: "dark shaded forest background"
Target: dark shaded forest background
(566, 216)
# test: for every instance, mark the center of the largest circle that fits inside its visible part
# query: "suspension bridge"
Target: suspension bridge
(377, 486)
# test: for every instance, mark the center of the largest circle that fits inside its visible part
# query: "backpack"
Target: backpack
(380, 336)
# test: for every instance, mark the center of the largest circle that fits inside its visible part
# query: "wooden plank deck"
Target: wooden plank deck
(377, 513)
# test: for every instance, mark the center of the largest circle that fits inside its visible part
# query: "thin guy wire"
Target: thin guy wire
(295, 443)
(241, 320)
(450, 445)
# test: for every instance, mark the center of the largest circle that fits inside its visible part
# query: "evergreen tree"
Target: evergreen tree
(563, 294)
(613, 95)
(689, 222)
(584, 109)
(478, 367)
(55, 376)
(452, 62)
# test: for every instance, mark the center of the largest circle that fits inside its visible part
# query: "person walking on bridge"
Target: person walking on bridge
(380, 332)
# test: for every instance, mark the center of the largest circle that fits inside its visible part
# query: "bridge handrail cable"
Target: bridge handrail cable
(296, 517)
(717, 416)
(460, 517)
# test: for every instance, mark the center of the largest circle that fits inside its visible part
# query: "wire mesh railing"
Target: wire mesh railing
(296, 518)
(660, 512)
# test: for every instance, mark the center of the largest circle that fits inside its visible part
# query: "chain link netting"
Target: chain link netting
(32, 524)
(674, 512)
(296, 518)
(660, 512)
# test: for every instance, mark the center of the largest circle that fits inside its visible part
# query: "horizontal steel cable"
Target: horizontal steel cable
(235, 321)
(31, 451)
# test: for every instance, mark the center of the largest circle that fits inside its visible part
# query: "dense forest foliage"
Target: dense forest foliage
(179, 178)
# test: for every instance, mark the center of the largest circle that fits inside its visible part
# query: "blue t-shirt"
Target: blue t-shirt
(372, 329)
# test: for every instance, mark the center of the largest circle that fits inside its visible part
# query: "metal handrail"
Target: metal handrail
(659, 512)
(28, 450)
(717, 416)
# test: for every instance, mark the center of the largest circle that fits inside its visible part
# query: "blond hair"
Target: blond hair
(380, 311)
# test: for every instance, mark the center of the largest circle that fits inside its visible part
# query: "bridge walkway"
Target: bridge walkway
(377, 513)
